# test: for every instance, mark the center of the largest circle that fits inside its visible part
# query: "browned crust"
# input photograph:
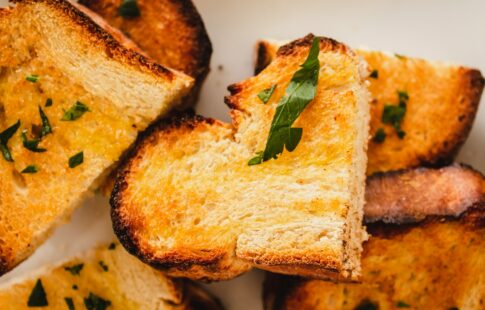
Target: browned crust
(100, 37)
(263, 57)
(212, 262)
(201, 50)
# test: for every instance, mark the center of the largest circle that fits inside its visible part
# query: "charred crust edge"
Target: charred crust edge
(113, 48)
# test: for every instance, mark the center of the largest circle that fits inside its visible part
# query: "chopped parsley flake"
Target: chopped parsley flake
(31, 145)
(266, 94)
(32, 78)
(399, 56)
(374, 74)
(94, 302)
(394, 114)
(129, 8)
(31, 169)
(4, 137)
(75, 270)
(75, 287)
(70, 303)
(379, 136)
(103, 266)
(75, 112)
(48, 102)
(367, 305)
(46, 126)
(37, 297)
(402, 304)
(112, 246)
(76, 160)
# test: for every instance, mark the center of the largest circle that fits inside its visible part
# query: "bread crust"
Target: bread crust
(217, 263)
(465, 84)
(442, 226)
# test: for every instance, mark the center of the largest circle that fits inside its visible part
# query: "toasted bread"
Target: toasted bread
(112, 274)
(443, 102)
(430, 257)
(170, 31)
(52, 53)
(188, 203)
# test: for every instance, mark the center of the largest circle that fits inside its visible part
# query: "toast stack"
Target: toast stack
(72, 100)
(427, 252)
(440, 103)
(187, 201)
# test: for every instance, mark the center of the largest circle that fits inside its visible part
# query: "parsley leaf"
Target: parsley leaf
(399, 56)
(367, 305)
(75, 112)
(75, 287)
(301, 90)
(37, 297)
(94, 302)
(129, 8)
(379, 136)
(402, 304)
(70, 303)
(31, 145)
(32, 78)
(48, 102)
(112, 246)
(46, 126)
(394, 114)
(31, 169)
(76, 160)
(103, 266)
(75, 270)
(374, 74)
(266, 94)
(4, 137)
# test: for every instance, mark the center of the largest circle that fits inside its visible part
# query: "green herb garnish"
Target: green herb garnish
(76, 160)
(75, 287)
(70, 303)
(31, 145)
(75, 270)
(75, 112)
(394, 114)
(31, 169)
(112, 246)
(301, 90)
(129, 8)
(402, 304)
(379, 136)
(367, 305)
(48, 102)
(103, 266)
(4, 137)
(37, 297)
(46, 126)
(32, 78)
(374, 74)
(399, 56)
(266, 94)
(94, 302)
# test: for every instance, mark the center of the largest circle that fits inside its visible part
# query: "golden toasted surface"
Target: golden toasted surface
(170, 31)
(436, 263)
(443, 101)
(74, 61)
(187, 201)
(110, 273)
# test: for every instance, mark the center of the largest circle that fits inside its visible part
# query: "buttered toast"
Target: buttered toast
(429, 254)
(72, 100)
(104, 278)
(189, 202)
(441, 102)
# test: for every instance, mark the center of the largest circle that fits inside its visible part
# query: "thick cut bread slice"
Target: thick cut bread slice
(75, 60)
(187, 202)
(443, 101)
(170, 31)
(112, 274)
(435, 262)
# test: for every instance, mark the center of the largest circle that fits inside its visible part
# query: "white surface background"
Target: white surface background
(449, 30)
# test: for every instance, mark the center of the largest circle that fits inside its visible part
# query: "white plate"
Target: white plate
(448, 30)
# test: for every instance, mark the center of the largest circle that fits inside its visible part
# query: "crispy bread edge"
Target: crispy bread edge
(210, 268)
(113, 48)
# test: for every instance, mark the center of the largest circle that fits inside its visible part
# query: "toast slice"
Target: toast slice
(171, 32)
(187, 202)
(442, 103)
(415, 262)
(109, 273)
(74, 101)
